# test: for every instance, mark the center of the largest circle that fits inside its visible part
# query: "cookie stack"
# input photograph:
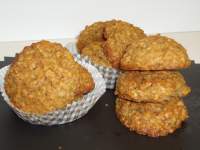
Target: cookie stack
(149, 90)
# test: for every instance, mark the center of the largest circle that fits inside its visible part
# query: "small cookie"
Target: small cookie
(118, 36)
(45, 77)
(95, 52)
(155, 53)
(151, 119)
(151, 86)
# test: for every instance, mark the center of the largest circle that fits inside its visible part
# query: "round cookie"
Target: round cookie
(151, 119)
(151, 86)
(45, 77)
(155, 53)
(95, 52)
(118, 36)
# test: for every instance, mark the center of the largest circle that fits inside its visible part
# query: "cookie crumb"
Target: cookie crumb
(106, 105)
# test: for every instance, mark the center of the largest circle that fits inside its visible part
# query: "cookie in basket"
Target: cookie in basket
(44, 80)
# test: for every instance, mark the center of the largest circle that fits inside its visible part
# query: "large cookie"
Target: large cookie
(155, 53)
(151, 86)
(45, 77)
(151, 119)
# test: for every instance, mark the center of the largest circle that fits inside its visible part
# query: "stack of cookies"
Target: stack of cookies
(150, 90)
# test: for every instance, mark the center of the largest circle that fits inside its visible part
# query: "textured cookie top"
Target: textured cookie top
(155, 53)
(91, 33)
(118, 36)
(95, 52)
(44, 77)
(151, 119)
(116, 26)
(151, 86)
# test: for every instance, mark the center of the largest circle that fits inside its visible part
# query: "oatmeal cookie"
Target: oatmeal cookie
(151, 119)
(118, 36)
(45, 77)
(155, 53)
(151, 86)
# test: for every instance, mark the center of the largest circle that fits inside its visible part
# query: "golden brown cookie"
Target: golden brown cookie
(44, 77)
(91, 33)
(151, 119)
(151, 86)
(114, 26)
(95, 52)
(155, 53)
(118, 36)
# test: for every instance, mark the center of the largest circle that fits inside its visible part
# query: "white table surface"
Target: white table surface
(190, 40)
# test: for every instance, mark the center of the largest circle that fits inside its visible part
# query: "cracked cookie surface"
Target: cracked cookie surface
(155, 53)
(45, 77)
(151, 119)
(94, 52)
(151, 86)
(118, 36)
